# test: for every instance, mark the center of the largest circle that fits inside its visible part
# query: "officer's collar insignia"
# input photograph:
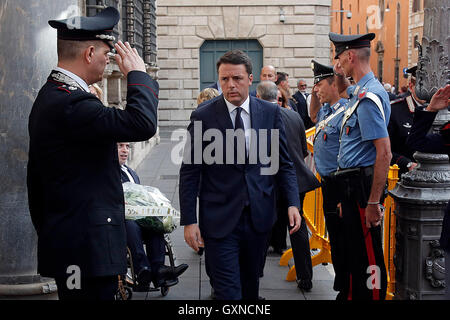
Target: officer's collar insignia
(356, 90)
(65, 80)
(336, 106)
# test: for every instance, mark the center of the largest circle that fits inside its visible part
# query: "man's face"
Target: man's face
(412, 89)
(99, 60)
(268, 73)
(123, 149)
(234, 81)
(302, 86)
(344, 62)
(324, 91)
(285, 84)
(279, 98)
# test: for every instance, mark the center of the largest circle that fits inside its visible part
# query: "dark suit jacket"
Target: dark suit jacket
(223, 186)
(296, 142)
(74, 189)
(302, 109)
(133, 173)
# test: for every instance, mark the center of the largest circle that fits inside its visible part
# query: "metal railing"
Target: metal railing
(315, 220)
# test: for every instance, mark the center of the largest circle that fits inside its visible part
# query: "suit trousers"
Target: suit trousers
(154, 242)
(330, 193)
(91, 289)
(234, 262)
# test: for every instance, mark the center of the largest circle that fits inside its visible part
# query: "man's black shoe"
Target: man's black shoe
(305, 285)
(167, 274)
(144, 277)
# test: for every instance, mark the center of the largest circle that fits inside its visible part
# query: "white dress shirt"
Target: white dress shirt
(130, 177)
(245, 115)
(80, 81)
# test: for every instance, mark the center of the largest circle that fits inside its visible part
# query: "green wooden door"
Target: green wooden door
(212, 50)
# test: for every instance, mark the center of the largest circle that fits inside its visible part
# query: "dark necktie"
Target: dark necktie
(239, 124)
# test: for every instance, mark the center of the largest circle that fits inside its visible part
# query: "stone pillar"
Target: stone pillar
(420, 199)
(28, 53)
(433, 66)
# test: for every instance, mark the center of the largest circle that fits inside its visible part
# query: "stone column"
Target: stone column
(28, 53)
(422, 194)
(433, 66)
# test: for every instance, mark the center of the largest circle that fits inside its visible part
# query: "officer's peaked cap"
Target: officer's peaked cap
(412, 70)
(98, 27)
(344, 42)
(321, 71)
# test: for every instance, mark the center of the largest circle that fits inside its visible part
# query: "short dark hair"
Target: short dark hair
(281, 76)
(71, 49)
(236, 57)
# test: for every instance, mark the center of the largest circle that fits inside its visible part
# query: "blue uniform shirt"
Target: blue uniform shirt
(365, 124)
(326, 143)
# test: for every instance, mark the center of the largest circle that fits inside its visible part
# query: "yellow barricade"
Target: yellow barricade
(315, 220)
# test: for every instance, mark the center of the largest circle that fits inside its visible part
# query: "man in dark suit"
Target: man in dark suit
(74, 190)
(306, 181)
(235, 190)
(148, 265)
(300, 99)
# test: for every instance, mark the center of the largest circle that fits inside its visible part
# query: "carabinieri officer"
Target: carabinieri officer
(364, 157)
(327, 110)
(74, 189)
(400, 123)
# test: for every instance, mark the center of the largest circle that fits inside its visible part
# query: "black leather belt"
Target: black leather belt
(353, 172)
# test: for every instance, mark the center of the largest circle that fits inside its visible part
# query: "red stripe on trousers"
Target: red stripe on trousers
(369, 247)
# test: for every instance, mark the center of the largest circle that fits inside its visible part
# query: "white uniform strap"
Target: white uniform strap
(372, 96)
(322, 124)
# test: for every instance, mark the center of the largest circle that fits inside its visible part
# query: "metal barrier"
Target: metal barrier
(315, 220)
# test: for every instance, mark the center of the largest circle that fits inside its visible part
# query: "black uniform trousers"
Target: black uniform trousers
(333, 222)
(365, 271)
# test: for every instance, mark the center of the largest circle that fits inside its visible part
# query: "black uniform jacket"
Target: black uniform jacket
(400, 123)
(74, 188)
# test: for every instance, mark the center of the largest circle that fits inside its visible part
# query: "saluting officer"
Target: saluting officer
(402, 115)
(74, 187)
(327, 110)
(364, 157)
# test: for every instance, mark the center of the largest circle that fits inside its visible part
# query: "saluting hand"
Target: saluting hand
(128, 58)
(440, 99)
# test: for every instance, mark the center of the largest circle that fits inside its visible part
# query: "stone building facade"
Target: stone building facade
(415, 29)
(290, 32)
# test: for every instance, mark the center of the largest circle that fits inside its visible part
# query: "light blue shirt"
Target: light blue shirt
(326, 143)
(367, 123)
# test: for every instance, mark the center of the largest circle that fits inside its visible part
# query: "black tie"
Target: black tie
(239, 124)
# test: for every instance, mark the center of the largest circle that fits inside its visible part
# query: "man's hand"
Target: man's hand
(294, 219)
(128, 58)
(373, 215)
(338, 70)
(193, 237)
(439, 100)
